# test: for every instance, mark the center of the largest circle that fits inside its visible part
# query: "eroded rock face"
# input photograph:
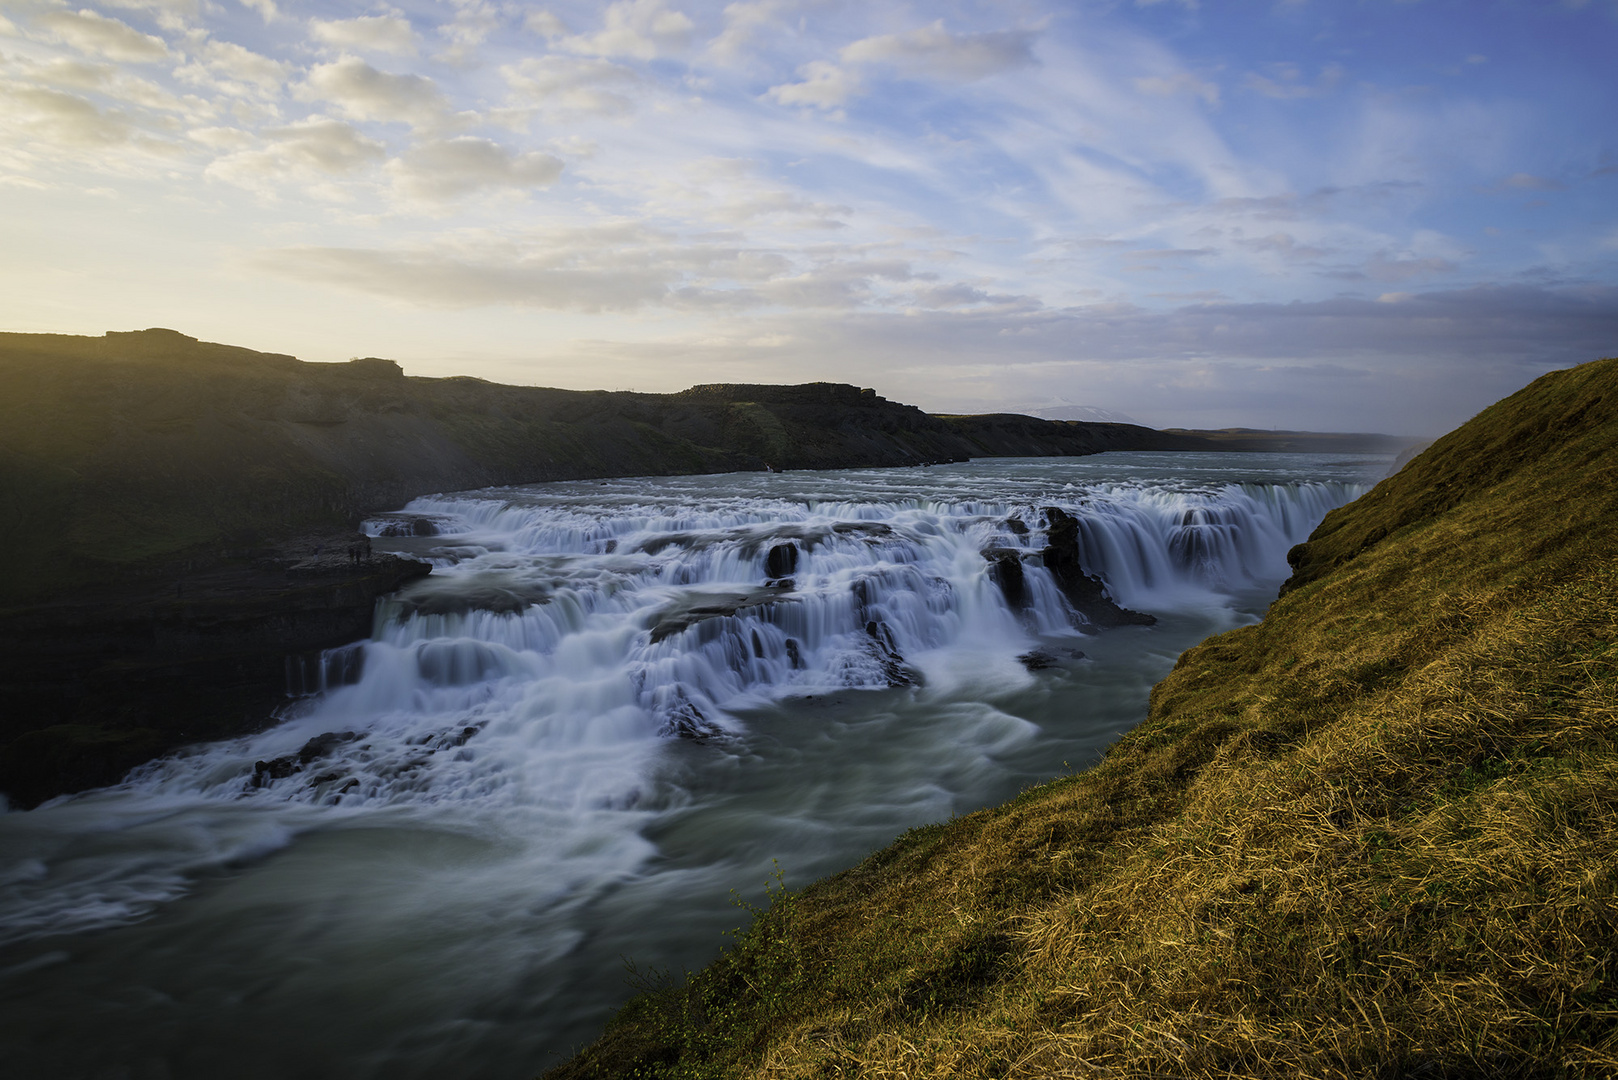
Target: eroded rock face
(782, 561)
(1086, 592)
(1005, 570)
(100, 682)
(282, 767)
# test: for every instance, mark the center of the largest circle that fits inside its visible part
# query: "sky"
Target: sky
(1362, 215)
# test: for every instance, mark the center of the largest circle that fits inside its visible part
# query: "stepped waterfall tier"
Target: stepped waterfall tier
(611, 703)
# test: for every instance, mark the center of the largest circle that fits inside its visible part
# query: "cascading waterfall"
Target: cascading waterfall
(593, 664)
(649, 621)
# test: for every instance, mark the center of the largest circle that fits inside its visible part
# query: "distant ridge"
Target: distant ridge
(131, 449)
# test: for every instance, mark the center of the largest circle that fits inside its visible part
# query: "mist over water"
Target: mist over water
(610, 705)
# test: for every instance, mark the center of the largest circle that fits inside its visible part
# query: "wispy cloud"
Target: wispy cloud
(941, 202)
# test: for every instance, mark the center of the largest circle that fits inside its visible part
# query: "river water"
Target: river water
(610, 705)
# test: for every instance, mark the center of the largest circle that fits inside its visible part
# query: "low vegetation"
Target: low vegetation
(1374, 835)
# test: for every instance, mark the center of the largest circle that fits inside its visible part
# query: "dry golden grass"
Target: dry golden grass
(1375, 835)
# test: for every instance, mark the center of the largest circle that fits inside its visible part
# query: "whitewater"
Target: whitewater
(611, 704)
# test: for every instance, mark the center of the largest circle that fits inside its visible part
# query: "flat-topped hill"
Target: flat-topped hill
(1374, 835)
(131, 449)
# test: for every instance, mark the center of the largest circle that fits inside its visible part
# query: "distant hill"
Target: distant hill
(1296, 442)
(123, 453)
(1373, 835)
(1088, 413)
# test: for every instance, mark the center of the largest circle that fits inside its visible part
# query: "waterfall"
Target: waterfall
(587, 627)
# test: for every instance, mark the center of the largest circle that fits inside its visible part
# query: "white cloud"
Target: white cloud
(316, 148)
(824, 86)
(113, 82)
(369, 33)
(546, 24)
(743, 24)
(933, 52)
(266, 9)
(362, 92)
(229, 68)
(100, 36)
(170, 14)
(643, 29)
(473, 23)
(558, 273)
(61, 118)
(573, 84)
(450, 168)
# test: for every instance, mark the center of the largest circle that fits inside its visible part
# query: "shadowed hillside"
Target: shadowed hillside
(1374, 835)
(128, 450)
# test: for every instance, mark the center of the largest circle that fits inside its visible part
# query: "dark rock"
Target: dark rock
(321, 745)
(696, 608)
(1086, 592)
(886, 653)
(416, 526)
(266, 772)
(1017, 526)
(782, 561)
(1037, 660)
(99, 682)
(794, 655)
(684, 720)
(1005, 570)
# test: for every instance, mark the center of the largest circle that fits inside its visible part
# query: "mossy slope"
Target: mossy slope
(1374, 835)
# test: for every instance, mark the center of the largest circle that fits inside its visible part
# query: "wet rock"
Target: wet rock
(416, 526)
(697, 608)
(265, 772)
(1086, 592)
(684, 720)
(1037, 660)
(794, 655)
(782, 561)
(1017, 526)
(886, 653)
(1005, 570)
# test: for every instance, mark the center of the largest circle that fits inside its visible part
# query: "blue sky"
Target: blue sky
(1363, 215)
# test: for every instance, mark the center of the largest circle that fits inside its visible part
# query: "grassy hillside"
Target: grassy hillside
(1374, 835)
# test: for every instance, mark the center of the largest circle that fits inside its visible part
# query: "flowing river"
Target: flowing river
(610, 705)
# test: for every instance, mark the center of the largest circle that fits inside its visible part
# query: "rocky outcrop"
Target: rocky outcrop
(97, 683)
(1061, 555)
(1086, 592)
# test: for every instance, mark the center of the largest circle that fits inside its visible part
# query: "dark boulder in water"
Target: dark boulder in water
(782, 561)
(684, 720)
(1037, 660)
(1086, 592)
(264, 772)
(1005, 570)
(884, 649)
